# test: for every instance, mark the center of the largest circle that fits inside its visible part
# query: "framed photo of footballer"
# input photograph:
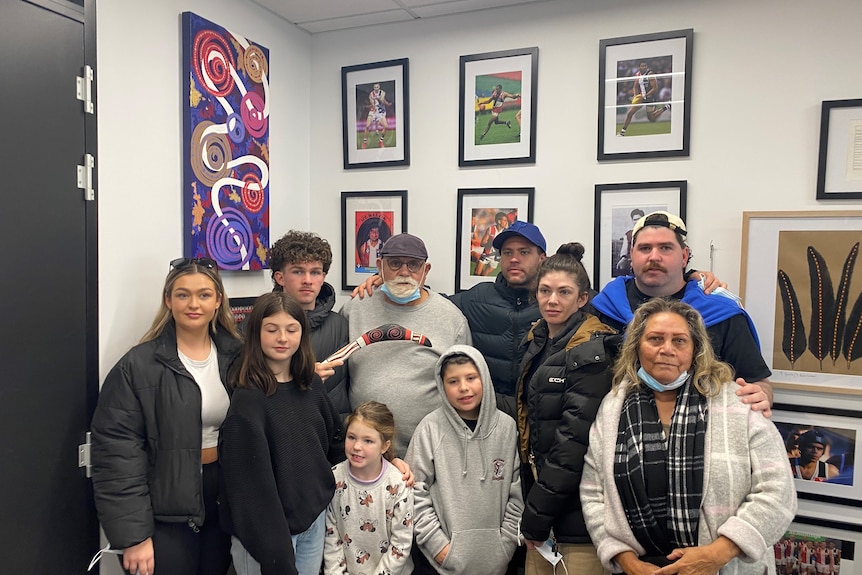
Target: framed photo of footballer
(368, 219)
(839, 169)
(375, 112)
(240, 307)
(826, 546)
(822, 445)
(482, 214)
(798, 284)
(497, 115)
(617, 208)
(645, 95)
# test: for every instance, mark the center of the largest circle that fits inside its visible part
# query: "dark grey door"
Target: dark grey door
(48, 345)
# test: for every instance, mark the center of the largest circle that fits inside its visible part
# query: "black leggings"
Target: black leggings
(179, 550)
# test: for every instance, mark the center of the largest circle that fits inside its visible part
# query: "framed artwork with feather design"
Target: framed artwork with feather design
(801, 282)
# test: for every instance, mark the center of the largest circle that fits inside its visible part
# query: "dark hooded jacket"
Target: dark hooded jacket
(146, 440)
(329, 333)
(556, 408)
(499, 316)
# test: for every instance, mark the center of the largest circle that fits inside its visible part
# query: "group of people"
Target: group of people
(528, 419)
(804, 556)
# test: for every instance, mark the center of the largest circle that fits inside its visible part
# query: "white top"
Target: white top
(214, 398)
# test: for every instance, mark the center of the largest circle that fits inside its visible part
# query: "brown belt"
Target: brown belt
(209, 455)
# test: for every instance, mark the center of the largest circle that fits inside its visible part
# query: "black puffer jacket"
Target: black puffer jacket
(329, 333)
(499, 317)
(555, 411)
(146, 442)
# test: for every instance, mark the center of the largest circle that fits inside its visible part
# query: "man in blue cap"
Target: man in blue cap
(501, 312)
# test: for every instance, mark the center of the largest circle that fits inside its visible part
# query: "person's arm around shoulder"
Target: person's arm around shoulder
(758, 395)
(366, 288)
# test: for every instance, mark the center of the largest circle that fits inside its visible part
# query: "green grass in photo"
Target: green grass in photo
(499, 133)
(645, 128)
(389, 140)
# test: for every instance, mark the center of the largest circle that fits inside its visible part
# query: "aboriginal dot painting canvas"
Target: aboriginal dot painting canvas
(226, 146)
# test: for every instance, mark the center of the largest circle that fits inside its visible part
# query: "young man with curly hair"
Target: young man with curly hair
(300, 262)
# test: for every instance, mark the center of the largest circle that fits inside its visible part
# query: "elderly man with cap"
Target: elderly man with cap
(659, 256)
(401, 373)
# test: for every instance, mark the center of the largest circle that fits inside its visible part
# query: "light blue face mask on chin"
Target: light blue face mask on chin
(656, 385)
(413, 296)
(401, 300)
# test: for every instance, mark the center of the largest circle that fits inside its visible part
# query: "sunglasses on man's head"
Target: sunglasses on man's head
(203, 262)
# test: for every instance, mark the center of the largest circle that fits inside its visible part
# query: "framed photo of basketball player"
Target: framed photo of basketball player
(375, 112)
(617, 208)
(497, 111)
(368, 219)
(839, 169)
(482, 214)
(645, 95)
(821, 545)
(822, 444)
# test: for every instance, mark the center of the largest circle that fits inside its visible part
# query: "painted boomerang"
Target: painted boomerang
(387, 332)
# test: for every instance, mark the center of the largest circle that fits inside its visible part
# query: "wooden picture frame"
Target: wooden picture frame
(839, 167)
(788, 257)
(497, 112)
(376, 97)
(617, 208)
(474, 252)
(361, 214)
(658, 120)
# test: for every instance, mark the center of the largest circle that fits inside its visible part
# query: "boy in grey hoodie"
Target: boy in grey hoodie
(467, 496)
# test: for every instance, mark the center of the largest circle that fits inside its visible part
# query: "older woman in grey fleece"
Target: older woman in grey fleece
(681, 476)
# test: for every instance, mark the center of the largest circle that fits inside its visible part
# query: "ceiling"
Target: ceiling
(325, 15)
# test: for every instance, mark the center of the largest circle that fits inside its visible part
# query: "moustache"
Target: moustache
(650, 267)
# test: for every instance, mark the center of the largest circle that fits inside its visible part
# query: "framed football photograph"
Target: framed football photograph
(497, 115)
(645, 95)
(375, 112)
(368, 219)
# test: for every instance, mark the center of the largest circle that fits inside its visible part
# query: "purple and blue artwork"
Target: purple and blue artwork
(225, 146)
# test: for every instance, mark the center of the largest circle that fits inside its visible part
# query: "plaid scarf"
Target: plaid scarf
(661, 485)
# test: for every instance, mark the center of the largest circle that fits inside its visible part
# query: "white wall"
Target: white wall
(761, 70)
(140, 150)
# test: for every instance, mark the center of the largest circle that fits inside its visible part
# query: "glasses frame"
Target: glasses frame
(390, 263)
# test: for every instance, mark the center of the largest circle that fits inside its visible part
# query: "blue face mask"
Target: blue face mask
(402, 300)
(656, 385)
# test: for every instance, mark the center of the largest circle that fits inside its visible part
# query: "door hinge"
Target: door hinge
(85, 177)
(84, 455)
(85, 89)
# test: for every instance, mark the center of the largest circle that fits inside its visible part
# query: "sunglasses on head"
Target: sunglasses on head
(203, 262)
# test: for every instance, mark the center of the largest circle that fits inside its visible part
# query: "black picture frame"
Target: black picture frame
(666, 131)
(485, 204)
(840, 425)
(616, 206)
(360, 212)
(392, 147)
(846, 537)
(516, 70)
(840, 150)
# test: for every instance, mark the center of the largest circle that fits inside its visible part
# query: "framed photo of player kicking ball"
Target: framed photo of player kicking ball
(368, 219)
(645, 95)
(497, 112)
(375, 114)
(822, 444)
